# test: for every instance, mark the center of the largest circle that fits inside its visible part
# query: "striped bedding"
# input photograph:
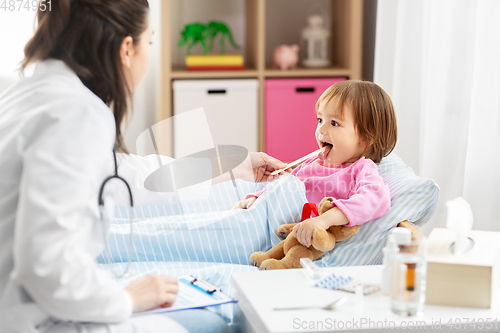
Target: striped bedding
(209, 231)
(210, 240)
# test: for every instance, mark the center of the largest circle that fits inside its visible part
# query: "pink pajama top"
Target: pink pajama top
(359, 190)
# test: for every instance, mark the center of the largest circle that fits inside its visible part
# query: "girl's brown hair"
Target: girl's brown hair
(86, 35)
(373, 113)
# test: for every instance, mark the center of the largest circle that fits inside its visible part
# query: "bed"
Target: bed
(211, 241)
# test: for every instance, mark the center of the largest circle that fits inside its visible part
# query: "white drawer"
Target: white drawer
(231, 109)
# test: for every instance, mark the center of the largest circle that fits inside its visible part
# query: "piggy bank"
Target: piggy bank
(285, 56)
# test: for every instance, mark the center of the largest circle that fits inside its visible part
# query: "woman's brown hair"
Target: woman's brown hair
(86, 35)
(373, 113)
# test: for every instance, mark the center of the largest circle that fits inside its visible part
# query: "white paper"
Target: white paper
(190, 297)
(459, 219)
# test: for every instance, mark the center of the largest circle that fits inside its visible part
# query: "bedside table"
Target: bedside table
(259, 292)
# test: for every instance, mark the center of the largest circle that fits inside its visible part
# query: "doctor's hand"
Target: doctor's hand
(245, 203)
(152, 291)
(260, 168)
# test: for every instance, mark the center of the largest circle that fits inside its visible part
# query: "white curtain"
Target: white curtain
(440, 63)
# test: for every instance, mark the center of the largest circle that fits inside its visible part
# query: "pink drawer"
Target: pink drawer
(290, 117)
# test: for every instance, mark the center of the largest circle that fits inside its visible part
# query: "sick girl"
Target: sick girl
(356, 129)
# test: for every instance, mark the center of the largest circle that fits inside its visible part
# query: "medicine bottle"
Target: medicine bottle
(397, 237)
(409, 273)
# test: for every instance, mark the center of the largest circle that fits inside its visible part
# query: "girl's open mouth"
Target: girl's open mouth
(326, 147)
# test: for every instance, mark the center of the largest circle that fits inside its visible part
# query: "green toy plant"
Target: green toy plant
(192, 34)
(197, 32)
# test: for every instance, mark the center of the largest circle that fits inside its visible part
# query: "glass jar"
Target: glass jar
(409, 273)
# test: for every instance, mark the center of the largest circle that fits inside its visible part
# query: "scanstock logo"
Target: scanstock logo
(200, 158)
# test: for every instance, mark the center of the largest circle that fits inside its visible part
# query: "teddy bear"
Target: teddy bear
(287, 253)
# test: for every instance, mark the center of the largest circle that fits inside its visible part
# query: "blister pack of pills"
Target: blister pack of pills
(333, 281)
(346, 283)
(368, 288)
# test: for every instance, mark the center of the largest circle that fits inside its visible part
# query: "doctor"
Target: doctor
(58, 129)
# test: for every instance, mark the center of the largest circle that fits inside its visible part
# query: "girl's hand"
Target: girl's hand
(304, 230)
(152, 291)
(245, 203)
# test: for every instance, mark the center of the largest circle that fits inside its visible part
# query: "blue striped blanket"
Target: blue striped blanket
(209, 231)
(210, 240)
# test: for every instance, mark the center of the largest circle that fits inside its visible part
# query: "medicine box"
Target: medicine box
(290, 118)
(231, 111)
(471, 279)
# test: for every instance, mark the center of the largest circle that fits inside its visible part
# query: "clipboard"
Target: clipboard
(193, 293)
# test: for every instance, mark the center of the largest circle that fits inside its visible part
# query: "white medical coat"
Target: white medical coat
(56, 141)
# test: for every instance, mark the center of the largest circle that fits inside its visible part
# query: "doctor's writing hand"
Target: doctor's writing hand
(152, 291)
(260, 168)
(245, 203)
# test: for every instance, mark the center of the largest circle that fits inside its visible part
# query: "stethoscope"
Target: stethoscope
(105, 218)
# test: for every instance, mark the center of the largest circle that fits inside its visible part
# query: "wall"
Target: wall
(146, 96)
(369, 25)
(16, 29)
